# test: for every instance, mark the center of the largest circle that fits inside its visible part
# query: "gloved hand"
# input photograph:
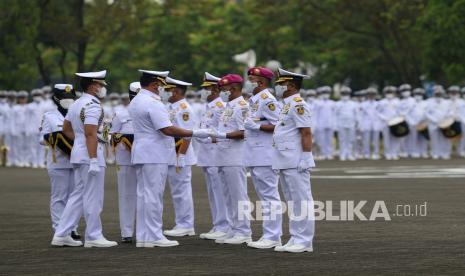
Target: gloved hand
(217, 134)
(202, 133)
(181, 161)
(207, 140)
(251, 125)
(93, 166)
(306, 161)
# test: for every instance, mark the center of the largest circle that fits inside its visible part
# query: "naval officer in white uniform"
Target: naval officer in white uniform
(82, 123)
(152, 150)
(259, 125)
(293, 158)
(206, 159)
(59, 168)
(180, 171)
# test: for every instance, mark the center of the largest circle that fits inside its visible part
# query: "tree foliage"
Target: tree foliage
(359, 42)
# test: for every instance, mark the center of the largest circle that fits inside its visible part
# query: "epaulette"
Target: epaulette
(183, 105)
(264, 96)
(242, 102)
(297, 99)
(219, 104)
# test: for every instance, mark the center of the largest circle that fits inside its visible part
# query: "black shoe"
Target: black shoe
(126, 240)
(75, 235)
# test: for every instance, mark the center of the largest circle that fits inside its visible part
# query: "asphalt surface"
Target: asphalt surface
(429, 245)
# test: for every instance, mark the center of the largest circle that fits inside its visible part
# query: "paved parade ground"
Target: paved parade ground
(430, 241)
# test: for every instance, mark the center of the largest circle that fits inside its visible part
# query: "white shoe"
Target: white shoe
(298, 248)
(100, 243)
(161, 243)
(179, 232)
(140, 244)
(65, 241)
(264, 244)
(282, 248)
(352, 158)
(213, 235)
(237, 239)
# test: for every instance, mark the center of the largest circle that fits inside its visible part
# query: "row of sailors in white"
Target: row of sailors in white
(368, 117)
(222, 151)
(19, 127)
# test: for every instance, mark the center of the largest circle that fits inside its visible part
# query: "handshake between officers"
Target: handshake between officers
(157, 136)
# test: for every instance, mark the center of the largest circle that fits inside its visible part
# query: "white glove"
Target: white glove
(202, 133)
(306, 161)
(181, 161)
(251, 125)
(218, 134)
(93, 166)
(207, 140)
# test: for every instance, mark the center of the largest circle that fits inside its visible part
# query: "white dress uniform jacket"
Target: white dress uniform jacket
(258, 144)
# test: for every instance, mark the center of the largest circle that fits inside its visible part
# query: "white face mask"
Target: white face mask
(37, 99)
(161, 90)
(345, 97)
(325, 96)
(165, 95)
(204, 93)
(310, 99)
(418, 97)
(114, 102)
(454, 96)
(66, 103)
(224, 95)
(102, 92)
(406, 94)
(279, 90)
(390, 96)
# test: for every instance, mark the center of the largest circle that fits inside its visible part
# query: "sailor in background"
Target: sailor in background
(419, 130)
(83, 124)
(388, 109)
(437, 110)
(180, 171)
(345, 113)
(406, 104)
(206, 159)
(35, 113)
(59, 168)
(259, 126)
(292, 157)
(325, 123)
(457, 113)
(122, 136)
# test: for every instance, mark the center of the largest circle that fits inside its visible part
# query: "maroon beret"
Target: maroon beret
(261, 72)
(229, 79)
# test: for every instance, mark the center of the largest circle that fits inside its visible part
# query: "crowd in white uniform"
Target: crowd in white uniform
(236, 131)
(354, 127)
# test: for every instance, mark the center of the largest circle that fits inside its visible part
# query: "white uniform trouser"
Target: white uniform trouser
(62, 185)
(37, 151)
(9, 142)
(440, 145)
(370, 138)
(20, 148)
(346, 142)
(151, 179)
(217, 199)
(391, 143)
(235, 181)
(410, 148)
(265, 181)
(418, 145)
(461, 146)
(325, 141)
(297, 192)
(181, 193)
(127, 192)
(87, 198)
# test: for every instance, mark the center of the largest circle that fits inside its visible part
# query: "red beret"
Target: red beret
(230, 78)
(261, 72)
